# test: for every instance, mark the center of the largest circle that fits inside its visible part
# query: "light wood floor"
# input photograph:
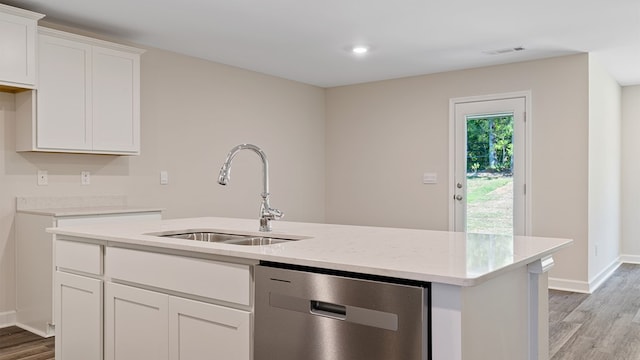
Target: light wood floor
(602, 326)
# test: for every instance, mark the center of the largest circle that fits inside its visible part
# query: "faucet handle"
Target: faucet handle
(268, 214)
(275, 214)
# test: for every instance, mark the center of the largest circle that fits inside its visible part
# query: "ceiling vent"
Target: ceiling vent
(504, 51)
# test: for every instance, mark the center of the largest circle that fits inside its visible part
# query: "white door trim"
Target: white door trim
(528, 141)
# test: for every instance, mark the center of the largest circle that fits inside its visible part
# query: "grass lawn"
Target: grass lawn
(490, 204)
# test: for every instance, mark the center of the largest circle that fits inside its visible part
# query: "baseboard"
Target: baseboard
(7, 318)
(604, 275)
(630, 259)
(33, 330)
(569, 285)
(588, 287)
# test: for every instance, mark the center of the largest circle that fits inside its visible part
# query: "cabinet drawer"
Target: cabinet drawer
(79, 256)
(211, 279)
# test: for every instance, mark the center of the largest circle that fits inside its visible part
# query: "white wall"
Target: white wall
(382, 136)
(604, 172)
(193, 112)
(631, 173)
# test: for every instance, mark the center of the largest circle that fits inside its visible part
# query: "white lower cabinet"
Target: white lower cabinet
(143, 324)
(117, 303)
(197, 328)
(79, 317)
(136, 324)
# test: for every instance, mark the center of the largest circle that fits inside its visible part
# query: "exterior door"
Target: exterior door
(488, 189)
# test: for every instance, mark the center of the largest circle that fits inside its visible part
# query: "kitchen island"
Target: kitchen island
(488, 292)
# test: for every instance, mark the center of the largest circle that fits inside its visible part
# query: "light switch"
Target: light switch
(164, 177)
(429, 178)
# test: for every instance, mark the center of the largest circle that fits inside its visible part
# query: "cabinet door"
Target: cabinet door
(197, 329)
(17, 50)
(135, 324)
(78, 302)
(64, 90)
(116, 93)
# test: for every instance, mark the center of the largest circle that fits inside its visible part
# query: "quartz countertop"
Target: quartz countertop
(89, 210)
(434, 256)
(61, 206)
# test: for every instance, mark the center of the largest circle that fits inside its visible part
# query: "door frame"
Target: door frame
(528, 153)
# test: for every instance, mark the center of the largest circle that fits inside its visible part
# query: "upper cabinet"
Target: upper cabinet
(87, 100)
(17, 48)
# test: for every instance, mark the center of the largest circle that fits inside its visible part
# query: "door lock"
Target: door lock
(458, 197)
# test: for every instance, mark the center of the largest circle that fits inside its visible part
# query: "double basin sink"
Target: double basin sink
(223, 238)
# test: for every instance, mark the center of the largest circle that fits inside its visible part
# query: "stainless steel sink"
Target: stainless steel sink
(206, 236)
(253, 241)
(235, 239)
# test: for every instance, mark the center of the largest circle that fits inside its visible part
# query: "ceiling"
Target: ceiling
(309, 41)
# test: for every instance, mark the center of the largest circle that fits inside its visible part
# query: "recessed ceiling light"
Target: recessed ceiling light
(360, 49)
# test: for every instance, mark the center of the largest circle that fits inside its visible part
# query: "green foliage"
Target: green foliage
(490, 144)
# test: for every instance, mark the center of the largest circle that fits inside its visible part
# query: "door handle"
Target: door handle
(458, 197)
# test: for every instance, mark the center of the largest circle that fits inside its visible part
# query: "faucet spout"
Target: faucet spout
(267, 213)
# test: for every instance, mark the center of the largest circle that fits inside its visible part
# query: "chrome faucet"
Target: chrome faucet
(267, 213)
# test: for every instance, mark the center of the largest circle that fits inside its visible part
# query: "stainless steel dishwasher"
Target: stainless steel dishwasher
(316, 314)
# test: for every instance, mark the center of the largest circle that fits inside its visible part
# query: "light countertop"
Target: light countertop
(434, 256)
(61, 206)
(86, 211)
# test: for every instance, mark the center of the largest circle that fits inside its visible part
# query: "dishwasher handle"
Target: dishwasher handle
(334, 311)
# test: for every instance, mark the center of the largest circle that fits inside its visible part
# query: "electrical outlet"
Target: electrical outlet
(43, 178)
(85, 178)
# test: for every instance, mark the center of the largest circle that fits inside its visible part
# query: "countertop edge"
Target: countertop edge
(107, 210)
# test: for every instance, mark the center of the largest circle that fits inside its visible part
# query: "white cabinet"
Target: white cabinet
(63, 118)
(88, 97)
(136, 325)
(79, 315)
(78, 300)
(17, 47)
(36, 259)
(197, 328)
(155, 305)
(193, 326)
